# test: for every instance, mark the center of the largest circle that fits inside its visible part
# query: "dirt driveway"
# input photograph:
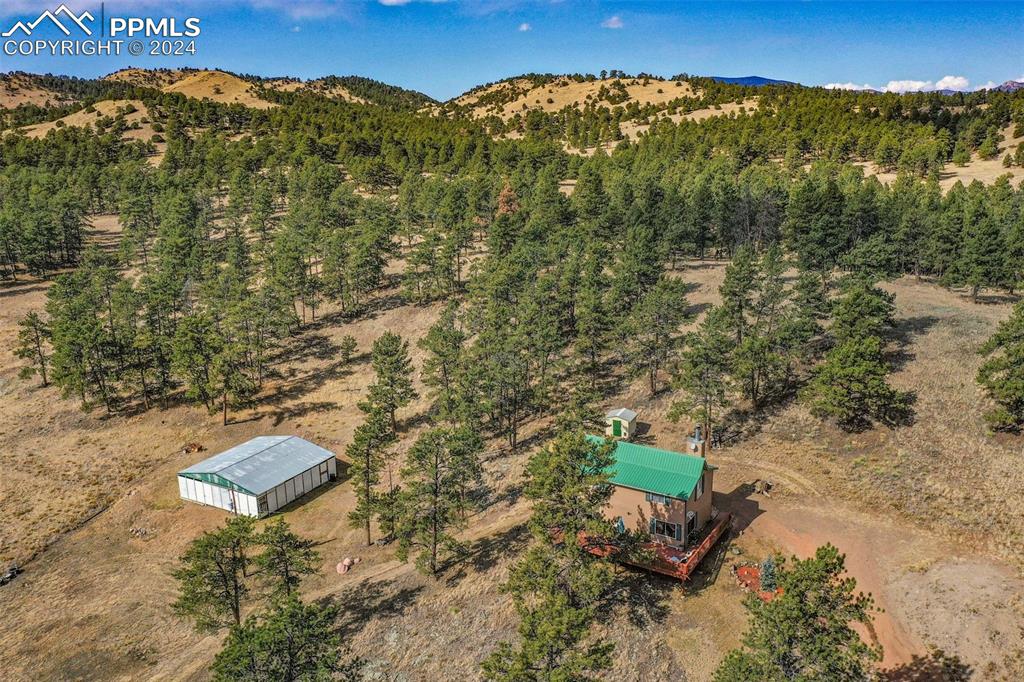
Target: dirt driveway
(922, 584)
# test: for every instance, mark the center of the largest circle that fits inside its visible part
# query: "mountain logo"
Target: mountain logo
(76, 19)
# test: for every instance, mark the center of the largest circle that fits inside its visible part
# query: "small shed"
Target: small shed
(620, 423)
(259, 476)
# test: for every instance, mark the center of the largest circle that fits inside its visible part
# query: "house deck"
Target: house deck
(672, 561)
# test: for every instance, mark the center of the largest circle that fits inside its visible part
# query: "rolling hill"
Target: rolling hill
(550, 93)
(20, 88)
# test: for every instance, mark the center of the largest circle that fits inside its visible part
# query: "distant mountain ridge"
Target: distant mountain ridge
(1010, 86)
(750, 80)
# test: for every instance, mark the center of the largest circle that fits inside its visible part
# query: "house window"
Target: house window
(699, 490)
(659, 499)
(261, 503)
(620, 525)
(672, 531)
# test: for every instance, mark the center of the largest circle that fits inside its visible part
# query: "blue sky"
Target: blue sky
(444, 48)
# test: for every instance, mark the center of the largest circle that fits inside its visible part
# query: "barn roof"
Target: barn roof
(262, 463)
(622, 413)
(664, 472)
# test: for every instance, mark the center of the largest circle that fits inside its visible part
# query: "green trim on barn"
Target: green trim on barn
(673, 474)
(214, 479)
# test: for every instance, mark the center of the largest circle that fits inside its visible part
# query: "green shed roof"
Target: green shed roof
(664, 472)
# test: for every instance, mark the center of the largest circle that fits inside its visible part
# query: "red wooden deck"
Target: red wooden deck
(672, 561)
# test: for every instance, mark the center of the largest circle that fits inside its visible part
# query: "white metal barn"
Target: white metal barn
(259, 476)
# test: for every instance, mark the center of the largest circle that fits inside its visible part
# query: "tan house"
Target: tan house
(666, 494)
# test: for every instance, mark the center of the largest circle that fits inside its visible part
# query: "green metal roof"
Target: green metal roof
(664, 472)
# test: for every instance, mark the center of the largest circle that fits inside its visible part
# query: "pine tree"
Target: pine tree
(805, 631)
(367, 452)
(982, 260)
(33, 335)
(769, 578)
(197, 344)
(442, 466)
(285, 559)
(737, 291)
(652, 328)
(887, 153)
(1002, 373)
(813, 224)
(558, 587)
(703, 372)
(592, 313)
(961, 153)
(850, 386)
(291, 642)
(862, 310)
(393, 369)
(761, 360)
(989, 146)
(212, 578)
(346, 348)
(444, 343)
(802, 326)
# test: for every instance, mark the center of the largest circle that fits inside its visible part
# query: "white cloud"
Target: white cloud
(959, 83)
(296, 28)
(908, 86)
(525, 26)
(394, 3)
(952, 83)
(987, 86)
(612, 22)
(847, 86)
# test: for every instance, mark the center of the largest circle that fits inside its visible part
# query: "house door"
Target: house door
(616, 427)
(691, 524)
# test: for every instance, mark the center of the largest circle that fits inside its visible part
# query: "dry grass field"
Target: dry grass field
(930, 515)
(319, 87)
(148, 78)
(218, 86)
(214, 85)
(563, 92)
(112, 108)
(632, 130)
(16, 89)
(982, 170)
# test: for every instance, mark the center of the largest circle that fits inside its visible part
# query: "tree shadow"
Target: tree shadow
(301, 409)
(370, 600)
(935, 667)
(995, 299)
(741, 423)
(643, 595)
(696, 309)
(11, 288)
(305, 345)
(538, 437)
(299, 384)
(382, 304)
(903, 332)
(485, 553)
